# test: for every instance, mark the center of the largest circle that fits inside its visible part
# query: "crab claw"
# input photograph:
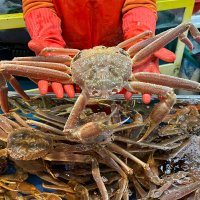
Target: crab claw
(93, 132)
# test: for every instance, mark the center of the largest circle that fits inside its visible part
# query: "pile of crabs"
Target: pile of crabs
(114, 165)
(99, 148)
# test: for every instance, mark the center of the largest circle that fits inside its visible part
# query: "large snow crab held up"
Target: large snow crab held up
(102, 71)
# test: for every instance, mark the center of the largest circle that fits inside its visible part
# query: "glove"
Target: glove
(136, 21)
(151, 65)
(44, 27)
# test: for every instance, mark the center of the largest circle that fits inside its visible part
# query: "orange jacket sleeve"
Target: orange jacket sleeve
(129, 4)
(29, 5)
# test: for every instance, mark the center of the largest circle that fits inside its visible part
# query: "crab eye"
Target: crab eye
(111, 69)
(115, 90)
(77, 56)
(102, 47)
(94, 92)
(123, 52)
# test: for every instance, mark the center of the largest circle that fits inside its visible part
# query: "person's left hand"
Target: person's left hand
(151, 65)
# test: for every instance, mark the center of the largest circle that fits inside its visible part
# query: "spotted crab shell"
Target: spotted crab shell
(28, 144)
(101, 69)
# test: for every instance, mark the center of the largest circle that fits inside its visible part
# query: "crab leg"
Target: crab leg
(70, 176)
(123, 185)
(61, 156)
(197, 194)
(181, 191)
(148, 171)
(50, 65)
(140, 45)
(55, 59)
(156, 193)
(51, 116)
(77, 109)
(5, 124)
(19, 119)
(183, 38)
(12, 123)
(142, 144)
(15, 84)
(3, 137)
(169, 81)
(123, 152)
(35, 73)
(3, 94)
(124, 166)
(30, 72)
(138, 187)
(69, 192)
(68, 157)
(45, 126)
(134, 39)
(4, 90)
(165, 39)
(161, 109)
(98, 179)
(58, 51)
(123, 182)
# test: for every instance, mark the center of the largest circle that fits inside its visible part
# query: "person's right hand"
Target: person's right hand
(45, 86)
(44, 27)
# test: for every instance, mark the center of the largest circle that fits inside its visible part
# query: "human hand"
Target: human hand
(136, 21)
(44, 27)
(151, 65)
(45, 86)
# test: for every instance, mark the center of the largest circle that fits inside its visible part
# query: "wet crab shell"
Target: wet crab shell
(101, 69)
(3, 165)
(3, 159)
(28, 144)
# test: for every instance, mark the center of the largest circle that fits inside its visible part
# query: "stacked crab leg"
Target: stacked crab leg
(54, 68)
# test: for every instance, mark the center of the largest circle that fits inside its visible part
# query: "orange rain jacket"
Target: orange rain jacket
(88, 23)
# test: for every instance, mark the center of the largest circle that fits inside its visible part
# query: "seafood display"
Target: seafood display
(166, 166)
(97, 148)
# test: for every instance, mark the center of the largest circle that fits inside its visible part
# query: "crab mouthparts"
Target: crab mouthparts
(104, 87)
(104, 93)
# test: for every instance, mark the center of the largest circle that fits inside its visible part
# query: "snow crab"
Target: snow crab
(99, 162)
(103, 71)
